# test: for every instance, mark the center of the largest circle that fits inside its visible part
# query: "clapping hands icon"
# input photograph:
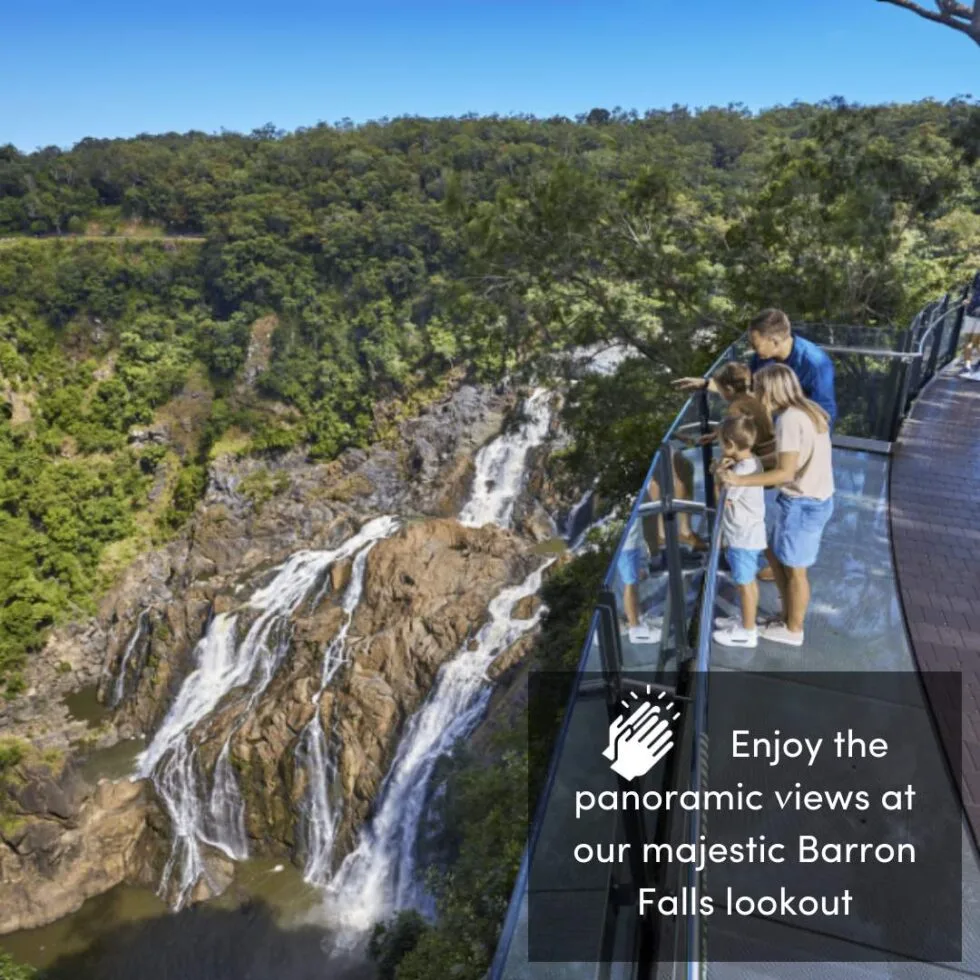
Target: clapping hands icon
(638, 742)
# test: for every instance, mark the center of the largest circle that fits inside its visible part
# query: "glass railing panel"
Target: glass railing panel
(868, 390)
(851, 335)
(519, 967)
(639, 581)
(554, 770)
(549, 887)
(946, 338)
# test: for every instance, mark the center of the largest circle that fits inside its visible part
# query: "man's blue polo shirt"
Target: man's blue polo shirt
(813, 366)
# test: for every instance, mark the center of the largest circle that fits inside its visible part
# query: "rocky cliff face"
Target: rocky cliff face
(426, 590)
(63, 841)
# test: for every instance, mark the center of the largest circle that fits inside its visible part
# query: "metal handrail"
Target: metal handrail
(899, 355)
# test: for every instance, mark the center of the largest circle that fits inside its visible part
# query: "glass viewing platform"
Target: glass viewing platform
(856, 624)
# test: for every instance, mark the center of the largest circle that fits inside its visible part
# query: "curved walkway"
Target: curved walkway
(935, 518)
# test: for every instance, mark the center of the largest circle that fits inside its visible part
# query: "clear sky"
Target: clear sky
(76, 68)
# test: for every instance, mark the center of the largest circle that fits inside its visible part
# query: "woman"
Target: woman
(804, 475)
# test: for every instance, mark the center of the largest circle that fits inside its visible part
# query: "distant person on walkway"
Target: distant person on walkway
(805, 478)
(970, 329)
(743, 526)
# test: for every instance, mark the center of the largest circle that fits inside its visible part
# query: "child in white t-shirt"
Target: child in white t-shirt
(743, 528)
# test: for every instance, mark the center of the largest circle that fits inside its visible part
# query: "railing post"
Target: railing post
(937, 338)
(675, 570)
(957, 327)
(610, 644)
(704, 417)
(610, 648)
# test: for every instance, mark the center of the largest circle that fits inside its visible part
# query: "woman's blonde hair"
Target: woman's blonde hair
(778, 388)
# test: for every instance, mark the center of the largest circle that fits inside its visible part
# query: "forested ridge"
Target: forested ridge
(272, 291)
(397, 255)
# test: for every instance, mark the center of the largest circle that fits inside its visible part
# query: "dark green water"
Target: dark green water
(84, 705)
(265, 927)
(114, 762)
(550, 546)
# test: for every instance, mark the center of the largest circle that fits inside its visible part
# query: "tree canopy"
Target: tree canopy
(372, 264)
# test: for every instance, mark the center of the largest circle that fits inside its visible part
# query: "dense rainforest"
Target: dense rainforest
(280, 291)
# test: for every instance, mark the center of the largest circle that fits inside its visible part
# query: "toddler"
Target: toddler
(743, 527)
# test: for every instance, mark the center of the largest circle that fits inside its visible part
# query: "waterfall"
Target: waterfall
(378, 876)
(119, 689)
(226, 808)
(500, 466)
(320, 818)
(572, 526)
(224, 663)
(601, 358)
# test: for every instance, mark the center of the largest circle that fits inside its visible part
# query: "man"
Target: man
(773, 339)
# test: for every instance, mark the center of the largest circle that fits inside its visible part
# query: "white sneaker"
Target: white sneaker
(737, 636)
(779, 633)
(728, 622)
(644, 633)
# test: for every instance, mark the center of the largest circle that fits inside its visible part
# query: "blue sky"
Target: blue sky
(72, 69)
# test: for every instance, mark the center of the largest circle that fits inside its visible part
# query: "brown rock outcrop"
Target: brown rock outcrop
(63, 842)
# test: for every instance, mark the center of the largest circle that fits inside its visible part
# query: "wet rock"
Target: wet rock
(219, 873)
(426, 590)
(527, 607)
(340, 575)
(37, 836)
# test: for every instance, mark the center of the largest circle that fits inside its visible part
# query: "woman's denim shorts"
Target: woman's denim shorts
(799, 527)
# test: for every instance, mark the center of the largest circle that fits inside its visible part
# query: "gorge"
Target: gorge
(295, 671)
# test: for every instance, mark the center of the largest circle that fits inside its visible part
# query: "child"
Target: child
(743, 527)
(734, 383)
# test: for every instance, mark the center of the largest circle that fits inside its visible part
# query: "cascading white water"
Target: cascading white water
(320, 817)
(226, 808)
(601, 358)
(119, 688)
(571, 530)
(224, 663)
(378, 876)
(500, 466)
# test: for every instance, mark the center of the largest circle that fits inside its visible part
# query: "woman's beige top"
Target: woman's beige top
(796, 433)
